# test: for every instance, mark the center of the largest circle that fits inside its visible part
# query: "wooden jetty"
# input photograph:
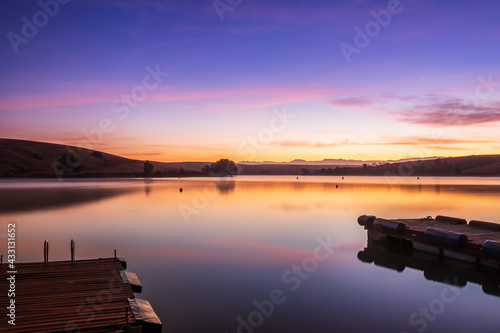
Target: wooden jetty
(76, 296)
(475, 242)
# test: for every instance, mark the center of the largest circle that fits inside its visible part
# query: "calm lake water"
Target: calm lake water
(260, 254)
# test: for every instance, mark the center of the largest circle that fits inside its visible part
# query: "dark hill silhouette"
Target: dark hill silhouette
(23, 158)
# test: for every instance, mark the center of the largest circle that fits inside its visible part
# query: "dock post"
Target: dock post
(72, 250)
(1, 260)
(115, 253)
(46, 252)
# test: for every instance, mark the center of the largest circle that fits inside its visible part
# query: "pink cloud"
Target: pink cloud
(353, 101)
(242, 251)
(243, 97)
(450, 112)
(408, 141)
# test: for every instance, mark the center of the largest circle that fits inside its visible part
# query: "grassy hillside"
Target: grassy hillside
(22, 158)
(481, 165)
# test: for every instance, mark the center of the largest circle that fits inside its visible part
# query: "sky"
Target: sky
(253, 80)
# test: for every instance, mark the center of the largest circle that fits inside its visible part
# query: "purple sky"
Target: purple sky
(253, 79)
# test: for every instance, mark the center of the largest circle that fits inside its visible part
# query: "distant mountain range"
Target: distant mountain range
(23, 158)
(339, 162)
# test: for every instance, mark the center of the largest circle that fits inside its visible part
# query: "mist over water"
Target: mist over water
(259, 254)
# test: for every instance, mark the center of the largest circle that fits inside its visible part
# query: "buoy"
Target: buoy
(486, 225)
(448, 278)
(297, 177)
(366, 220)
(389, 226)
(418, 177)
(448, 238)
(364, 256)
(492, 249)
(180, 190)
(451, 219)
(342, 177)
(336, 186)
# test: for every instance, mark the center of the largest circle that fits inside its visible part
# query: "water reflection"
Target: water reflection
(148, 186)
(225, 186)
(452, 272)
(244, 233)
(33, 199)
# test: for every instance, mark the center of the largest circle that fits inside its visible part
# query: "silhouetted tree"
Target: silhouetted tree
(224, 167)
(148, 168)
(97, 154)
(305, 171)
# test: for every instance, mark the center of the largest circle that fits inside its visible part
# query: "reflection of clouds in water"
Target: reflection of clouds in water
(298, 207)
(225, 186)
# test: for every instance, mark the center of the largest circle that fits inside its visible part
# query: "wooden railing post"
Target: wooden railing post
(46, 252)
(72, 250)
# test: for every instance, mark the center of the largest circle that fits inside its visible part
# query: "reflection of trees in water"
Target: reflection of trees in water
(224, 186)
(148, 186)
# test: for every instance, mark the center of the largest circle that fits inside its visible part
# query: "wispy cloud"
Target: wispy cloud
(292, 143)
(407, 141)
(451, 112)
(352, 102)
(428, 109)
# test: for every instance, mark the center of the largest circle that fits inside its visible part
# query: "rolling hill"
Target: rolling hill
(23, 158)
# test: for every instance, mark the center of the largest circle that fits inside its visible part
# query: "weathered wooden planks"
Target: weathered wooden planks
(71, 297)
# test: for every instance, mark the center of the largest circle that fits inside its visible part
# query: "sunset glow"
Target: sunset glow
(182, 81)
